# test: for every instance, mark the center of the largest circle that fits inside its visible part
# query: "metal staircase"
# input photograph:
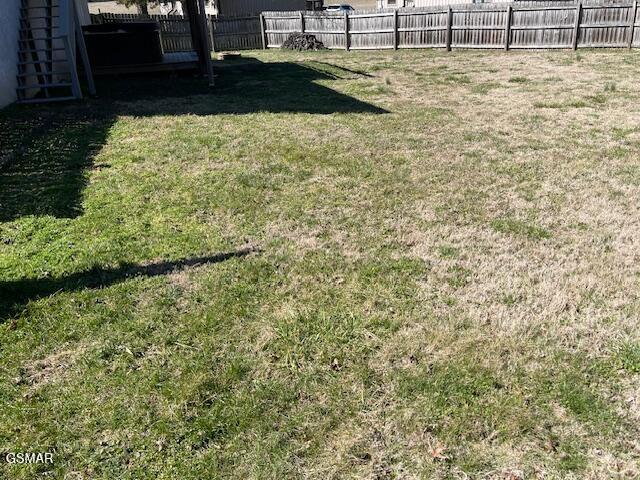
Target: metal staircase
(49, 33)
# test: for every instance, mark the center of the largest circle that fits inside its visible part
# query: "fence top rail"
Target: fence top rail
(543, 27)
(572, 6)
(312, 13)
(604, 25)
(225, 18)
(371, 15)
(429, 12)
(614, 5)
(138, 15)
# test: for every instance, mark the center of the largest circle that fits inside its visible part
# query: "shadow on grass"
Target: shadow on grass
(45, 151)
(15, 294)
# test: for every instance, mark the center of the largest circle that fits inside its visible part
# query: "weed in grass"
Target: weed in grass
(572, 457)
(514, 226)
(598, 98)
(447, 251)
(628, 357)
(576, 103)
(457, 78)
(458, 276)
(509, 300)
(621, 133)
(628, 174)
(484, 88)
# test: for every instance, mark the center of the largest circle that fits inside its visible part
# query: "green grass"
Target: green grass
(629, 357)
(412, 264)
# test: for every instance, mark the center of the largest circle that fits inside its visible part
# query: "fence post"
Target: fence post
(346, 30)
(632, 28)
(395, 29)
(449, 22)
(507, 28)
(576, 28)
(301, 22)
(263, 31)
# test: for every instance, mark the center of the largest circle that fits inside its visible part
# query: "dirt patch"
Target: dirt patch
(51, 369)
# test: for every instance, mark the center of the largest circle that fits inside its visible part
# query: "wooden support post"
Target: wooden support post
(395, 29)
(632, 27)
(346, 31)
(66, 28)
(206, 41)
(71, 58)
(301, 22)
(84, 56)
(449, 25)
(507, 28)
(193, 11)
(263, 31)
(576, 27)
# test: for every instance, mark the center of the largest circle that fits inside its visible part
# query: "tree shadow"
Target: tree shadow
(338, 72)
(245, 88)
(15, 294)
(46, 150)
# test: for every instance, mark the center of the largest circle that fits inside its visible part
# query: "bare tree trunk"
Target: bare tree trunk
(143, 8)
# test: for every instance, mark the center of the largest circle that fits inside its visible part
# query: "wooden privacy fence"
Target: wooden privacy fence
(229, 33)
(513, 25)
(532, 24)
(174, 29)
(236, 33)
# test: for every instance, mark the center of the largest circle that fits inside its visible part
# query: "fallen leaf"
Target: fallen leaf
(437, 453)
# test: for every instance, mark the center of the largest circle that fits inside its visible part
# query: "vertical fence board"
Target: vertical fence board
(634, 25)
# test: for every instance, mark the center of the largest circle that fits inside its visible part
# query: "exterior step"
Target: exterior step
(25, 10)
(43, 17)
(40, 74)
(40, 62)
(54, 37)
(39, 7)
(44, 85)
(45, 100)
(29, 29)
(35, 50)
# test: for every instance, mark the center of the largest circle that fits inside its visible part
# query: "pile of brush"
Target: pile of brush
(302, 42)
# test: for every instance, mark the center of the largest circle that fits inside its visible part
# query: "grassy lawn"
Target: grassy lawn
(335, 265)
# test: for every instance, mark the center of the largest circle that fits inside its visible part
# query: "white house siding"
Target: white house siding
(111, 6)
(9, 24)
(431, 3)
(245, 7)
(357, 4)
